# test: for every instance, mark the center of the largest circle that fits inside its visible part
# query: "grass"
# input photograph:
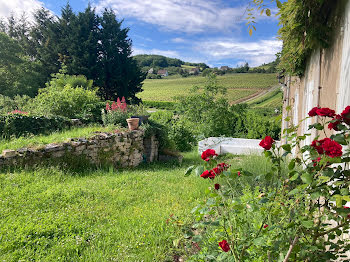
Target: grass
(270, 100)
(238, 85)
(95, 215)
(56, 137)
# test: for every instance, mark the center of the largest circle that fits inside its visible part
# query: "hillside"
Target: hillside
(240, 86)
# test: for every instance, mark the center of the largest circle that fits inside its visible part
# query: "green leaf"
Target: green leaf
(279, 4)
(294, 191)
(189, 170)
(338, 201)
(291, 164)
(294, 177)
(268, 12)
(250, 32)
(199, 170)
(306, 178)
(267, 153)
(287, 147)
(344, 191)
(308, 223)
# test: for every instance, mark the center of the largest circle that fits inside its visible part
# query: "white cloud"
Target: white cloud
(255, 53)
(17, 7)
(168, 53)
(178, 40)
(191, 16)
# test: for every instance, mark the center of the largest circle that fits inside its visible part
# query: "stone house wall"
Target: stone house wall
(124, 149)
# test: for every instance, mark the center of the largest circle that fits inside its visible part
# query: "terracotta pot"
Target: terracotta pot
(133, 123)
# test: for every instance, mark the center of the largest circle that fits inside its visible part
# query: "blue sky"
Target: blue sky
(209, 31)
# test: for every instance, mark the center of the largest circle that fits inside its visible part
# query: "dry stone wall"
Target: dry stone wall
(125, 149)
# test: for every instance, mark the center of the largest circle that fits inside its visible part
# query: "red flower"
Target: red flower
(216, 170)
(114, 106)
(317, 144)
(217, 186)
(346, 207)
(224, 245)
(335, 122)
(223, 167)
(332, 148)
(267, 142)
(207, 154)
(346, 115)
(208, 174)
(315, 161)
(266, 225)
(238, 173)
(313, 112)
(325, 111)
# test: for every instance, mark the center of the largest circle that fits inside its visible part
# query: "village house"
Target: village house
(194, 71)
(163, 72)
(224, 68)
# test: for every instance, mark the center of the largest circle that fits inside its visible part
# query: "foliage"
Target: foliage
(259, 126)
(157, 61)
(152, 128)
(160, 104)
(89, 44)
(63, 97)
(209, 113)
(306, 26)
(116, 113)
(18, 102)
(298, 215)
(18, 74)
(23, 124)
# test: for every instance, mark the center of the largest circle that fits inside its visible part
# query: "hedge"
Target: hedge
(160, 104)
(18, 125)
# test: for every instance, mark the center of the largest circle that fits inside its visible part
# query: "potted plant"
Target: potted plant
(133, 123)
(140, 112)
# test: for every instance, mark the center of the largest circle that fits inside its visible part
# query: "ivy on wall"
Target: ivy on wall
(305, 26)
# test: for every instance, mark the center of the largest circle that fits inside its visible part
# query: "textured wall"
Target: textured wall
(124, 149)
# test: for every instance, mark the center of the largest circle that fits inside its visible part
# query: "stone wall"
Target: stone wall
(125, 149)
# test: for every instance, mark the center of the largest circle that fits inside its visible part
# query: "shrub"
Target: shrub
(18, 124)
(153, 128)
(182, 136)
(116, 113)
(296, 211)
(160, 104)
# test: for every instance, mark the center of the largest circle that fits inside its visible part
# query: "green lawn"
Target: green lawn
(239, 86)
(55, 137)
(115, 215)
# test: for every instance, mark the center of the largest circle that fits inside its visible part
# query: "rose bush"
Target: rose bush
(296, 211)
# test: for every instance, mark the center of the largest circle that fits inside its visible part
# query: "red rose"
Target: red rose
(267, 142)
(217, 186)
(332, 148)
(265, 226)
(313, 112)
(335, 122)
(208, 174)
(315, 161)
(238, 173)
(346, 115)
(346, 207)
(325, 111)
(223, 167)
(224, 245)
(207, 154)
(216, 170)
(317, 144)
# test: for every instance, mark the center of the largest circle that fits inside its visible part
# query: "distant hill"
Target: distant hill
(157, 62)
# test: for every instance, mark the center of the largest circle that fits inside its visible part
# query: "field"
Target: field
(239, 86)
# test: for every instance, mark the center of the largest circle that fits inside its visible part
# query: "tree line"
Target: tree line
(96, 46)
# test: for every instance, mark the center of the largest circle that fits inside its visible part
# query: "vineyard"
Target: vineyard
(238, 86)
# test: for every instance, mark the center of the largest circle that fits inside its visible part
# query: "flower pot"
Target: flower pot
(143, 119)
(133, 123)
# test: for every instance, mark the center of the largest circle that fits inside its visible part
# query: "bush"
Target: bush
(66, 95)
(153, 128)
(160, 104)
(116, 113)
(182, 136)
(258, 126)
(21, 124)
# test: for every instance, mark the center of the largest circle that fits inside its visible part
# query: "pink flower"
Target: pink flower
(108, 107)
(114, 106)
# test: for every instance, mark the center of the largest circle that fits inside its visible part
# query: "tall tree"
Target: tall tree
(120, 75)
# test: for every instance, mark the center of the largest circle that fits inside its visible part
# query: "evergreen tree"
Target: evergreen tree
(119, 75)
